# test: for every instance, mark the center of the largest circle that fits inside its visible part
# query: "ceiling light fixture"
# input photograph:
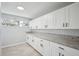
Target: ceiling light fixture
(20, 8)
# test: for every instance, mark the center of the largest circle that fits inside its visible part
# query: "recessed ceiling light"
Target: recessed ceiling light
(20, 8)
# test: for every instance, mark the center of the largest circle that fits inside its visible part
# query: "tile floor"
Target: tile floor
(20, 50)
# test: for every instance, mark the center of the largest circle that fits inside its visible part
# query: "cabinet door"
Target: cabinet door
(57, 50)
(61, 19)
(60, 50)
(74, 16)
(27, 38)
(42, 46)
(40, 23)
(49, 21)
(54, 49)
(45, 46)
(43, 22)
(31, 26)
(35, 42)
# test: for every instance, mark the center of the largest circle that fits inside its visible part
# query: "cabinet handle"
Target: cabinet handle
(60, 54)
(41, 40)
(67, 24)
(63, 24)
(41, 45)
(46, 26)
(61, 48)
(32, 40)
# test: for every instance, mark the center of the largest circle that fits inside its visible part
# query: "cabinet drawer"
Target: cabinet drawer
(45, 47)
(60, 50)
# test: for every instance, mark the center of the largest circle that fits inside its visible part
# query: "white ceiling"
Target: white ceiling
(31, 9)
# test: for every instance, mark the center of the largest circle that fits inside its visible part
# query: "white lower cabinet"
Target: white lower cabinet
(47, 48)
(42, 46)
(60, 50)
(36, 43)
(27, 38)
(56, 50)
(30, 40)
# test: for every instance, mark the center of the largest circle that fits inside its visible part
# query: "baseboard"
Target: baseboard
(12, 44)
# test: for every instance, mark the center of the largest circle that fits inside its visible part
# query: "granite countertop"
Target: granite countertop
(69, 41)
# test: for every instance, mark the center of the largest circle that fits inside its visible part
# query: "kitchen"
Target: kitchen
(39, 29)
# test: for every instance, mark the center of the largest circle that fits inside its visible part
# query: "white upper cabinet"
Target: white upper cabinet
(60, 17)
(64, 18)
(74, 16)
(49, 21)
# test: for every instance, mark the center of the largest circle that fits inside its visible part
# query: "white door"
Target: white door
(42, 22)
(54, 49)
(74, 16)
(48, 21)
(45, 46)
(31, 24)
(57, 50)
(35, 42)
(37, 45)
(42, 46)
(39, 23)
(61, 17)
(29, 39)
(51, 22)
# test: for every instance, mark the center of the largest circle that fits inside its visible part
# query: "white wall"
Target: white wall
(11, 35)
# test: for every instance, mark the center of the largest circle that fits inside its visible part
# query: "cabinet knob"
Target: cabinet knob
(46, 26)
(67, 24)
(32, 40)
(60, 54)
(41, 45)
(63, 24)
